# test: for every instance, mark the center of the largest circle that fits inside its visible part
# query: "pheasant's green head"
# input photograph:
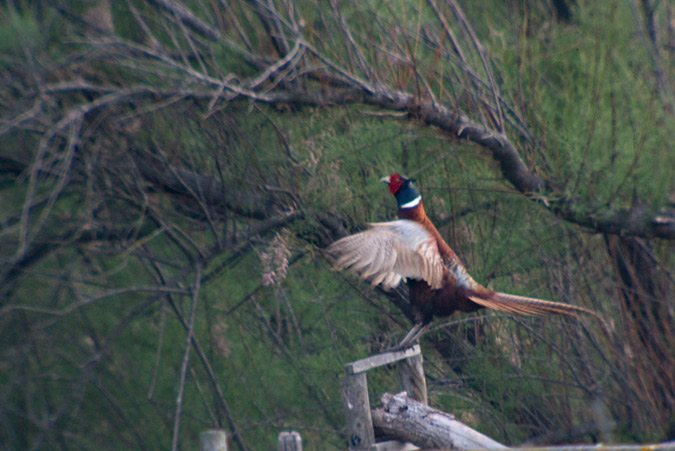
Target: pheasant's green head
(403, 189)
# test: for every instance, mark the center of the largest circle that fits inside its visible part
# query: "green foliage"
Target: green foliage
(17, 29)
(97, 280)
(596, 99)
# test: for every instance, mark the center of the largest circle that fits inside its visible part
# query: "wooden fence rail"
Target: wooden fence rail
(360, 430)
(405, 416)
(409, 419)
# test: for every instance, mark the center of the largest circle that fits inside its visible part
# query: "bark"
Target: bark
(405, 419)
(637, 221)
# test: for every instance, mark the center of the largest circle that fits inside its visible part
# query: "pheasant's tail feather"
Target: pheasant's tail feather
(527, 306)
(533, 306)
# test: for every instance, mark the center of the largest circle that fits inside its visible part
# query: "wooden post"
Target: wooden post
(212, 440)
(411, 377)
(357, 406)
(290, 441)
(355, 393)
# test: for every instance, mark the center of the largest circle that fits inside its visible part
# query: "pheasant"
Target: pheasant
(411, 249)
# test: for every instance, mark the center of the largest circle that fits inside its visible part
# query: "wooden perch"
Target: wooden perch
(355, 391)
(405, 419)
(384, 358)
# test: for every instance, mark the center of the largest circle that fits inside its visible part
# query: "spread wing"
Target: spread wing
(389, 252)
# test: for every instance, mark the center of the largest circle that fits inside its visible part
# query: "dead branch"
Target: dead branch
(408, 420)
(185, 16)
(186, 354)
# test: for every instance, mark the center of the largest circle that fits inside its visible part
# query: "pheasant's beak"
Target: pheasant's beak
(385, 180)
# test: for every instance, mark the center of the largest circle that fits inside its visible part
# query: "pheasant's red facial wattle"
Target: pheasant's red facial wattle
(395, 183)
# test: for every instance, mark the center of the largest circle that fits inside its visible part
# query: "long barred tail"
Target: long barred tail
(532, 306)
(526, 306)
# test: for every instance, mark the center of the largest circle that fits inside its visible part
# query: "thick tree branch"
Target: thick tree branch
(636, 221)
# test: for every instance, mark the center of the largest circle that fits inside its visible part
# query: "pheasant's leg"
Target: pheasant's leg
(404, 343)
(410, 338)
(415, 333)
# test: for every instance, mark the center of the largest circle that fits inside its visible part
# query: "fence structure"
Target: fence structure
(356, 401)
(406, 416)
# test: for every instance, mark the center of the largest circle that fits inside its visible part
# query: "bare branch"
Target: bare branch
(185, 16)
(292, 56)
(360, 58)
(486, 66)
(186, 355)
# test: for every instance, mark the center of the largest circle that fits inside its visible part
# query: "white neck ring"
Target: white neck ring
(413, 203)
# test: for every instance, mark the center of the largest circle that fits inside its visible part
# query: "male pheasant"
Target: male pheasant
(411, 249)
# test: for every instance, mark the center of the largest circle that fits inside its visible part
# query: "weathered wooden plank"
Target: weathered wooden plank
(290, 441)
(360, 433)
(412, 421)
(213, 440)
(411, 378)
(384, 358)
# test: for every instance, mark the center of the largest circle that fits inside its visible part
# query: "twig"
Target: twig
(212, 379)
(88, 367)
(154, 42)
(481, 52)
(272, 22)
(74, 122)
(294, 54)
(353, 79)
(91, 299)
(186, 354)
(360, 58)
(448, 31)
(185, 16)
(160, 342)
(237, 26)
